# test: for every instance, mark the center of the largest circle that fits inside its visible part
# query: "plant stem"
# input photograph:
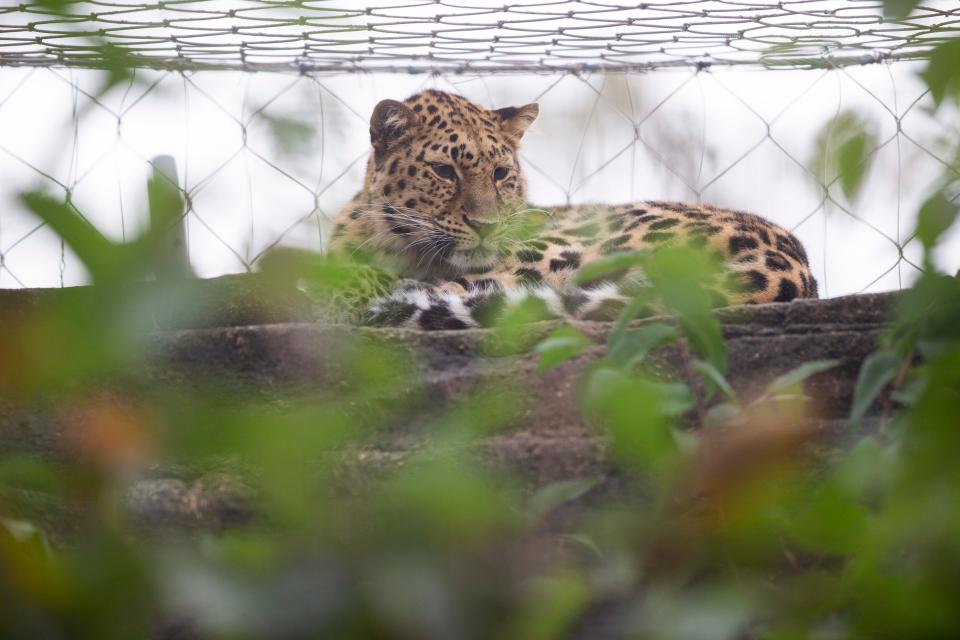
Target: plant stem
(692, 380)
(897, 383)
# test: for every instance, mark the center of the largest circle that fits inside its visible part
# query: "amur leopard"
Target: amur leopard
(444, 194)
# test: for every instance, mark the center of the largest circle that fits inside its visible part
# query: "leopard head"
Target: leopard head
(442, 179)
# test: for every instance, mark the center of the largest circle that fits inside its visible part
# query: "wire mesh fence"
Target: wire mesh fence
(268, 158)
(464, 35)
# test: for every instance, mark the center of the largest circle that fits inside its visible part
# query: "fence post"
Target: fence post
(167, 218)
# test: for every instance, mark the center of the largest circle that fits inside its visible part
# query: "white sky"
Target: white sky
(703, 142)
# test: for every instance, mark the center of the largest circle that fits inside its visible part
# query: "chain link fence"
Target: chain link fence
(461, 36)
(729, 114)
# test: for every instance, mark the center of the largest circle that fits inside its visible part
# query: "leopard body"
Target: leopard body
(444, 194)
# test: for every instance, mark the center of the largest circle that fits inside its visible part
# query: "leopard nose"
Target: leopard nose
(483, 229)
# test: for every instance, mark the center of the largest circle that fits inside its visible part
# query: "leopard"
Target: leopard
(445, 197)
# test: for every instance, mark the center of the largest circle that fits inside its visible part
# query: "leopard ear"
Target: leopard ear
(515, 120)
(391, 121)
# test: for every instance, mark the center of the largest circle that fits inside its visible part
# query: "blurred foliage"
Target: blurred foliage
(941, 73)
(899, 9)
(560, 346)
(290, 135)
(844, 152)
(718, 522)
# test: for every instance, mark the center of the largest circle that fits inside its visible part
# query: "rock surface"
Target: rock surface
(268, 349)
(549, 440)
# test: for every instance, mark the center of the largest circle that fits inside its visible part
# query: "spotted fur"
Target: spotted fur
(444, 194)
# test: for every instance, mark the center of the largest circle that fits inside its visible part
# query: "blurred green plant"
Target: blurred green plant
(899, 9)
(292, 135)
(940, 74)
(844, 152)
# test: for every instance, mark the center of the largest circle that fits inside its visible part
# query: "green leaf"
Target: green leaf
(164, 197)
(171, 259)
(560, 346)
(607, 266)
(513, 330)
(637, 414)
(942, 74)
(798, 374)
(687, 443)
(28, 535)
(933, 418)
(556, 494)
(936, 216)
(926, 315)
(724, 414)
(679, 275)
(56, 5)
(868, 468)
(898, 9)
(711, 373)
(118, 62)
(26, 472)
(459, 501)
(722, 611)
(844, 152)
(877, 372)
(584, 541)
(853, 160)
(291, 135)
(641, 302)
(553, 607)
(707, 340)
(703, 334)
(830, 521)
(632, 346)
(97, 253)
(907, 394)
(675, 398)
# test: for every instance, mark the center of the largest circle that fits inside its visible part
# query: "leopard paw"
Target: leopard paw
(422, 307)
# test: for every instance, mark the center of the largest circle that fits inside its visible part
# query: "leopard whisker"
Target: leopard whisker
(374, 238)
(439, 248)
(401, 218)
(437, 245)
(395, 212)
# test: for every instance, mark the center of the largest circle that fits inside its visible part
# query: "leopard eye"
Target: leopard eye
(445, 171)
(500, 173)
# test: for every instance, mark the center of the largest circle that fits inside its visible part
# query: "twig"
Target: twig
(897, 383)
(692, 380)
